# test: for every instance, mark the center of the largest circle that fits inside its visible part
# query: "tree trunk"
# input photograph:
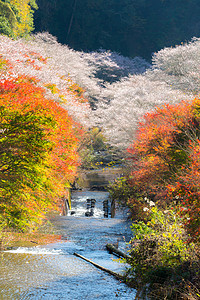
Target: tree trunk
(71, 20)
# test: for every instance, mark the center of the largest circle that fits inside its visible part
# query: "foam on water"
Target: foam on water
(35, 250)
(79, 206)
(80, 211)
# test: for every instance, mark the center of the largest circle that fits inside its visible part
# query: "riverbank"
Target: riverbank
(20, 239)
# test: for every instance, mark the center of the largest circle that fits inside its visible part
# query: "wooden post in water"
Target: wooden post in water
(66, 205)
(112, 209)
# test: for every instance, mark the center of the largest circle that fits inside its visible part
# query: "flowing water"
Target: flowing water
(53, 272)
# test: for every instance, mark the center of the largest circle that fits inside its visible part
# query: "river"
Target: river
(52, 272)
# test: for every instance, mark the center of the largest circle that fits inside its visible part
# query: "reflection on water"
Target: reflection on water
(52, 272)
(100, 177)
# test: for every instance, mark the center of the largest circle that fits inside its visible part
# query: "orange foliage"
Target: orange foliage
(38, 151)
(166, 160)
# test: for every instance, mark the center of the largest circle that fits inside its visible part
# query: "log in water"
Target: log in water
(116, 275)
(111, 248)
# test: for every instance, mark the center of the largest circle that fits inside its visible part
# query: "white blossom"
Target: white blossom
(120, 89)
(145, 209)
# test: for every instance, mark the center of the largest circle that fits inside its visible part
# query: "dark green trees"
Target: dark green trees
(131, 27)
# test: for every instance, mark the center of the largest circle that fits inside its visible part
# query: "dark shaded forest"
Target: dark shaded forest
(130, 27)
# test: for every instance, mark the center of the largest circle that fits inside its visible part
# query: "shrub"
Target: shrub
(162, 263)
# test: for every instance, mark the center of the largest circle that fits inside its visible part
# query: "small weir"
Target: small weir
(53, 272)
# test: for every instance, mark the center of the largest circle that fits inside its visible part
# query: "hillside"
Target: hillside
(130, 27)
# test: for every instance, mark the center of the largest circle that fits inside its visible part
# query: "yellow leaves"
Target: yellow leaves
(53, 88)
(7, 13)
(3, 64)
(24, 15)
(43, 160)
(63, 98)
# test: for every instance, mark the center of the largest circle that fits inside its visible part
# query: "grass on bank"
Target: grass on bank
(42, 236)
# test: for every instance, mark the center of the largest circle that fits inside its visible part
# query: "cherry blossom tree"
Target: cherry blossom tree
(130, 99)
(178, 66)
(119, 90)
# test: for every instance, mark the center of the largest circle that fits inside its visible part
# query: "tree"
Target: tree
(119, 90)
(38, 152)
(8, 19)
(165, 160)
(16, 17)
(178, 66)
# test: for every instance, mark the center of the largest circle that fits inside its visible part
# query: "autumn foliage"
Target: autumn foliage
(38, 152)
(166, 161)
(16, 17)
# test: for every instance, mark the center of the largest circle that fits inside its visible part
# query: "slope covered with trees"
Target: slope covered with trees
(50, 94)
(119, 89)
(162, 191)
(130, 27)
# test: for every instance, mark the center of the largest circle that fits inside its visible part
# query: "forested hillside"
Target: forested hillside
(56, 103)
(130, 27)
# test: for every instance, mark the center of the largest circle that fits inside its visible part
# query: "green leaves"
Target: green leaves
(8, 19)
(16, 17)
(38, 157)
(161, 256)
